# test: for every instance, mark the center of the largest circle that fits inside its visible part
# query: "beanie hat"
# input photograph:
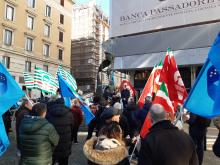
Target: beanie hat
(107, 113)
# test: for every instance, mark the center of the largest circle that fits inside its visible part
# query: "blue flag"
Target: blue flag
(67, 102)
(10, 92)
(204, 97)
(66, 92)
(4, 142)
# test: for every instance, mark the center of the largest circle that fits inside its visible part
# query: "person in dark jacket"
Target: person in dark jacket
(7, 121)
(78, 119)
(197, 129)
(62, 119)
(106, 103)
(131, 114)
(216, 146)
(95, 108)
(37, 138)
(125, 94)
(165, 144)
(115, 114)
(108, 148)
(142, 114)
(25, 109)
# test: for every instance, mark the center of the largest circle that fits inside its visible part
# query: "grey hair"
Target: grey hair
(157, 113)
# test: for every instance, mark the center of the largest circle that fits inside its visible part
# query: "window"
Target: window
(61, 18)
(47, 30)
(8, 37)
(6, 61)
(45, 68)
(48, 11)
(9, 13)
(27, 66)
(29, 44)
(30, 22)
(31, 3)
(60, 54)
(46, 50)
(62, 2)
(61, 36)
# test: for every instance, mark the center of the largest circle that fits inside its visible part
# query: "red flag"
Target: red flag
(129, 86)
(162, 98)
(152, 84)
(172, 78)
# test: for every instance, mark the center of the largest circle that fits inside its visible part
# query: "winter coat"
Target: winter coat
(124, 124)
(115, 156)
(216, 146)
(19, 114)
(142, 114)
(198, 125)
(77, 116)
(166, 145)
(131, 114)
(125, 94)
(98, 121)
(7, 121)
(62, 119)
(37, 138)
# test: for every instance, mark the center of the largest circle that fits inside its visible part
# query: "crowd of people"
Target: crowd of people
(46, 130)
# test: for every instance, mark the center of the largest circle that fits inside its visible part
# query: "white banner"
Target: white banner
(135, 16)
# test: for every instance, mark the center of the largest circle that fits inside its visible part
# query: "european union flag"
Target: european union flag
(4, 142)
(66, 92)
(10, 92)
(204, 97)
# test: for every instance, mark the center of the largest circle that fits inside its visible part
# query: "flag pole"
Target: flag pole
(29, 100)
(138, 141)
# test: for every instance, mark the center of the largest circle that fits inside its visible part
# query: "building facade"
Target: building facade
(141, 34)
(35, 33)
(90, 30)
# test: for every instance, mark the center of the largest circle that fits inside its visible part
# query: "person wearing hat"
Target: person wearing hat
(115, 114)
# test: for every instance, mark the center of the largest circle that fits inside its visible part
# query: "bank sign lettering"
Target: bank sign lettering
(135, 16)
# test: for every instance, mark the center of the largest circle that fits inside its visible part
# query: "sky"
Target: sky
(103, 3)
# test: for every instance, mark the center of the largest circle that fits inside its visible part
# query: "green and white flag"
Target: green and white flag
(68, 77)
(28, 80)
(45, 81)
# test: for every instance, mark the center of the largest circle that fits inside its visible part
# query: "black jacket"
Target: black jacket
(166, 145)
(124, 124)
(117, 156)
(131, 114)
(198, 125)
(216, 146)
(62, 119)
(19, 114)
(125, 94)
(37, 138)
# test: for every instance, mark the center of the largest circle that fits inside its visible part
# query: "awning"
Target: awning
(183, 57)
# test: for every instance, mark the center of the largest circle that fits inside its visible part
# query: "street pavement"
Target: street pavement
(77, 157)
